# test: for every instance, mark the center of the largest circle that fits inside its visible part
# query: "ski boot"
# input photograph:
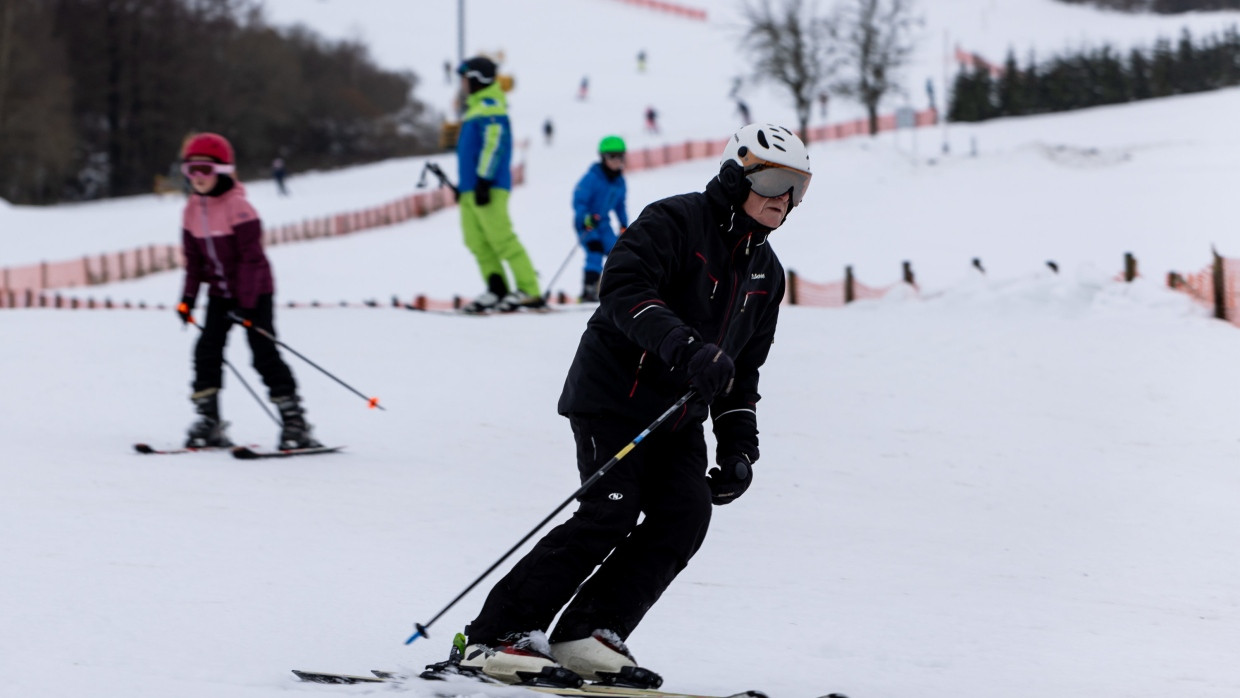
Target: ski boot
(295, 433)
(589, 287)
(482, 304)
(603, 658)
(209, 430)
(520, 300)
(497, 289)
(517, 658)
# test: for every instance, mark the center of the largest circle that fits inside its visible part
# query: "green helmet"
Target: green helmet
(611, 144)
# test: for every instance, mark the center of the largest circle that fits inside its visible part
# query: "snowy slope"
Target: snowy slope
(1019, 485)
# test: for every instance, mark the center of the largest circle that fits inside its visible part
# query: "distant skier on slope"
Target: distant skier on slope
(600, 192)
(222, 241)
(689, 300)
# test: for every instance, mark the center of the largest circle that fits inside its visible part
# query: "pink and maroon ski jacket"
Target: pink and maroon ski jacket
(222, 237)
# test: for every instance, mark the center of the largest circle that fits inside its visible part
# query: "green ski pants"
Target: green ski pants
(491, 239)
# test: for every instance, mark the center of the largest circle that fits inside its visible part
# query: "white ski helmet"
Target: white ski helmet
(774, 159)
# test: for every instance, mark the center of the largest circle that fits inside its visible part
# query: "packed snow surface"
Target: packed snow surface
(1018, 484)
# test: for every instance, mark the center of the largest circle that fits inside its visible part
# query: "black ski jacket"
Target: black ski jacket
(695, 260)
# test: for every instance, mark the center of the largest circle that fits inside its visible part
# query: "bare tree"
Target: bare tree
(876, 39)
(792, 45)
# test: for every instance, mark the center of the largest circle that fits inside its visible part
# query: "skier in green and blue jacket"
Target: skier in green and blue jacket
(484, 159)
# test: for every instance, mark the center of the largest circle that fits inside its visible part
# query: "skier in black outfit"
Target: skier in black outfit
(689, 299)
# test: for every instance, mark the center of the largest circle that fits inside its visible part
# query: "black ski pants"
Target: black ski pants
(209, 352)
(663, 478)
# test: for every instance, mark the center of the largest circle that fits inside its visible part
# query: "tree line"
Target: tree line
(1096, 77)
(97, 96)
(1166, 7)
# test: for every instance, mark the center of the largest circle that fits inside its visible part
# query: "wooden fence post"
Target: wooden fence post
(792, 287)
(1220, 291)
(1130, 267)
(1174, 280)
(849, 292)
(908, 274)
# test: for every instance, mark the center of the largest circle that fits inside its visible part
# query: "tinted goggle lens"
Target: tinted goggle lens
(772, 181)
(204, 169)
(617, 157)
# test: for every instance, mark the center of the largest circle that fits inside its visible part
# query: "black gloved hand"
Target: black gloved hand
(710, 370)
(482, 192)
(735, 183)
(729, 479)
(185, 310)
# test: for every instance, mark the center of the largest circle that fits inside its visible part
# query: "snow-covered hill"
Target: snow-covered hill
(1015, 485)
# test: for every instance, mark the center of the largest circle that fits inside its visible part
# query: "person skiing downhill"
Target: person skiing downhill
(222, 242)
(484, 154)
(599, 192)
(689, 300)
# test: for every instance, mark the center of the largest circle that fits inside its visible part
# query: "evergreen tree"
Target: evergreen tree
(1011, 89)
(1162, 70)
(1112, 79)
(1138, 75)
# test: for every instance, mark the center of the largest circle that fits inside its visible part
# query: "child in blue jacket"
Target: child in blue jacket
(600, 192)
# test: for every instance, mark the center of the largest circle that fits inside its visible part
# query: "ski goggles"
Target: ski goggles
(771, 180)
(616, 157)
(205, 169)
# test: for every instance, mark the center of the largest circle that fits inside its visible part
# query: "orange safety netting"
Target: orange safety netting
(831, 294)
(1201, 286)
(673, 8)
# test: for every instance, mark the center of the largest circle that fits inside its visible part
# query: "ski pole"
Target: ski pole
(439, 174)
(237, 374)
(559, 271)
(422, 628)
(373, 402)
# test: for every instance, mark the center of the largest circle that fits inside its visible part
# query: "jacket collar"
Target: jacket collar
(492, 93)
(731, 219)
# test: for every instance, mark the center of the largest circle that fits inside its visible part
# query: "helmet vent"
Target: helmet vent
(762, 140)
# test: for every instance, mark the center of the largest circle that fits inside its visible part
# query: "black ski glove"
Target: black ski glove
(710, 370)
(735, 183)
(729, 479)
(482, 192)
(186, 310)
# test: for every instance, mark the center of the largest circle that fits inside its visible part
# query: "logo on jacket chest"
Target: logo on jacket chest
(755, 277)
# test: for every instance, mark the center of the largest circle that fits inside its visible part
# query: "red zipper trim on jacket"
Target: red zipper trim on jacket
(723, 329)
(747, 295)
(684, 410)
(708, 274)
